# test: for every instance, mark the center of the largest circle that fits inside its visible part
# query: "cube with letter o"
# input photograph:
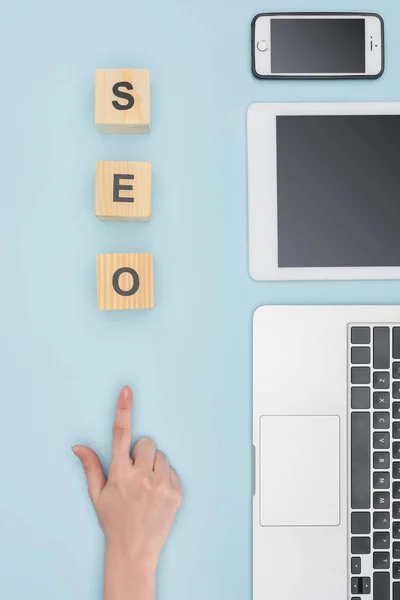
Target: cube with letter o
(122, 100)
(125, 281)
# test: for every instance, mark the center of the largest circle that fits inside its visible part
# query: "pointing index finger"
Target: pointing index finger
(122, 429)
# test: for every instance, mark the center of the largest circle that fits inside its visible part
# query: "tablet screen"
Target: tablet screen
(338, 183)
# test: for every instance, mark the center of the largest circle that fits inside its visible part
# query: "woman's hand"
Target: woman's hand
(136, 506)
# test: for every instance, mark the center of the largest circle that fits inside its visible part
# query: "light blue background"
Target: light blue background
(189, 360)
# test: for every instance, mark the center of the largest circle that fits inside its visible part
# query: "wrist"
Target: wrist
(138, 561)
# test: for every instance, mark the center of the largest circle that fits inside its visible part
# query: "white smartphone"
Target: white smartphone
(317, 46)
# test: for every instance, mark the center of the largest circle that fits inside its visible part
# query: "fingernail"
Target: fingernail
(75, 450)
(126, 391)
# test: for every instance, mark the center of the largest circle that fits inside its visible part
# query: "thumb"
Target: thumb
(93, 470)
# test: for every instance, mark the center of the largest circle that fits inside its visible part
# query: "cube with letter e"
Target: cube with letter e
(125, 281)
(122, 100)
(123, 191)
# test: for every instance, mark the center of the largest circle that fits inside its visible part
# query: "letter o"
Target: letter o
(135, 281)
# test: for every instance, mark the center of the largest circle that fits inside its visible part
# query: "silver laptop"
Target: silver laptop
(326, 430)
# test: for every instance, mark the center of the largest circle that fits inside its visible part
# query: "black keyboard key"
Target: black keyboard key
(396, 592)
(396, 551)
(396, 390)
(381, 440)
(365, 585)
(381, 460)
(381, 520)
(396, 450)
(381, 500)
(395, 531)
(396, 431)
(381, 560)
(361, 545)
(396, 490)
(396, 570)
(381, 400)
(381, 481)
(396, 410)
(356, 565)
(396, 342)
(396, 470)
(396, 370)
(361, 335)
(361, 375)
(381, 347)
(381, 583)
(381, 380)
(381, 541)
(396, 510)
(361, 461)
(360, 523)
(381, 420)
(360, 398)
(360, 356)
(356, 585)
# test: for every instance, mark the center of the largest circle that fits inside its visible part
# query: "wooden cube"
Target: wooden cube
(123, 191)
(122, 100)
(125, 281)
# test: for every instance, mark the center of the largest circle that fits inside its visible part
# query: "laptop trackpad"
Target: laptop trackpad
(299, 471)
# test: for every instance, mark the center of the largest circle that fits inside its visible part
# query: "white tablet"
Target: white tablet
(324, 191)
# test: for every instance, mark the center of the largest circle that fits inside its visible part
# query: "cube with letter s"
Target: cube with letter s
(122, 100)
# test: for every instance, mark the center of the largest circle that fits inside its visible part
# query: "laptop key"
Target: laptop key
(381, 541)
(361, 335)
(381, 560)
(355, 585)
(396, 570)
(361, 356)
(396, 370)
(381, 380)
(396, 342)
(396, 592)
(381, 520)
(356, 565)
(381, 481)
(396, 431)
(361, 375)
(396, 390)
(396, 470)
(381, 460)
(381, 440)
(381, 586)
(396, 550)
(396, 410)
(396, 490)
(396, 510)
(360, 398)
(361, 523)
(396, 450)
(395, 532)
(381, 420)
(360, 545)
(365, 585)
(381, 400)
(381, 500)
(361, 461)
(381, 346)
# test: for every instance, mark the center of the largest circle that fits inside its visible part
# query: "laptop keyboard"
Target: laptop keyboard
(374, 520)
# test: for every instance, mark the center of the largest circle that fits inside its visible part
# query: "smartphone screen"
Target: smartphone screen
(317, 45)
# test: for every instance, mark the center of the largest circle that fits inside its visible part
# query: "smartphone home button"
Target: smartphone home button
(262, 45)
